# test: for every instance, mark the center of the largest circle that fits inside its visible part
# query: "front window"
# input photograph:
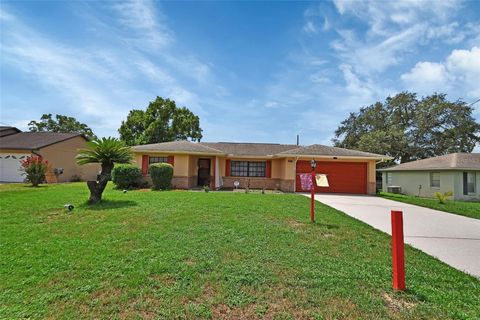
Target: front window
(469, 181)
(435, 179)
(157, 160)
(389, 178)
(248, 168)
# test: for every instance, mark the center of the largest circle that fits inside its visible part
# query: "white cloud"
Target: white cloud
(142, 17)
(310, 27)
(459, 74)
(427, 77)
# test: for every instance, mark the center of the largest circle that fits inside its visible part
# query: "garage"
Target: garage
(343, 177)
(10, 167)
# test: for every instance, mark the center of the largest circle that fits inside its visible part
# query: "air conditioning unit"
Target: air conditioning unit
(394, 189)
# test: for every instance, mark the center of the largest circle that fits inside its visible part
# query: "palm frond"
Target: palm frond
(105, 150)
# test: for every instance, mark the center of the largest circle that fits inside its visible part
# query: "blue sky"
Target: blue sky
(252, 71)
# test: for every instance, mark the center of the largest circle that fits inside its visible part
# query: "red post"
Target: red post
(398, 258)
(312, 200)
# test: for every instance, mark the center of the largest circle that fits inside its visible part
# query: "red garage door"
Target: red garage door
(343, 177)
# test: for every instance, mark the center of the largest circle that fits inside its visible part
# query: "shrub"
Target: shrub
(206, 189)
(34, 169)
(161, 174)
(443, 197)
(126, 176)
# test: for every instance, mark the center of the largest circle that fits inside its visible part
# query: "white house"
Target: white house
(456, 172)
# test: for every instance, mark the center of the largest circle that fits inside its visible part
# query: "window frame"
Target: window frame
(389, 178)
(164, 159)
(466, 182)
(248, 169)
(432, 180)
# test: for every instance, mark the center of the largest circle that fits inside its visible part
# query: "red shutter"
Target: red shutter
(171, 160)
(227, 168)
(268, 169)
(145, 164)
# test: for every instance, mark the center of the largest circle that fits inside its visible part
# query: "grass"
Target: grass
(465, 208)
(194, 255)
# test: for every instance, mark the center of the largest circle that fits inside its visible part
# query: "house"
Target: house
(261, 165)
(59, 149)
(455, 172)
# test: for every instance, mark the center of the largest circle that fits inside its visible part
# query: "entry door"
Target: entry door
(203, 172)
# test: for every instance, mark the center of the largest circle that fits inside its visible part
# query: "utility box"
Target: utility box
(394, 189)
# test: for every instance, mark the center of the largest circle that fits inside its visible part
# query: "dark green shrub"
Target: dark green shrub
(161, 174)
(126, 176)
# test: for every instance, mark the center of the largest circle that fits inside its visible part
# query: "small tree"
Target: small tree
(126, 176)
(162, 174)
(34, 169)
(443, 197)
(107, 152)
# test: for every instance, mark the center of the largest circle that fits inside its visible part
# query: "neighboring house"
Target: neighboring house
(456, 172)
(261, 165)
(59, 149)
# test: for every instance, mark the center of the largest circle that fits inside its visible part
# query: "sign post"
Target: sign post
(398, 251)
(313, 163)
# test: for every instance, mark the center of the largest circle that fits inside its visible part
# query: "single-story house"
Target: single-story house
(455, 172)
(261, 165)
(59, 149)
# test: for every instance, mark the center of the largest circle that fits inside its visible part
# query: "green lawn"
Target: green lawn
(465, 208)
(190, 255)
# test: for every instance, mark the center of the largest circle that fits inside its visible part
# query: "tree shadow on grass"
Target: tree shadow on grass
(108, 205)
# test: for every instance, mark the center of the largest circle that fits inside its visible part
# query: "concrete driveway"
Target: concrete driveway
(451, 238)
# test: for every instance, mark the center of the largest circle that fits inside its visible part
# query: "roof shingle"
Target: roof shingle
(452, 161)
(34, 140)
(177, 146)
(321, 150)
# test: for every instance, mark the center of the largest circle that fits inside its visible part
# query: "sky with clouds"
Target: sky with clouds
(252, 71)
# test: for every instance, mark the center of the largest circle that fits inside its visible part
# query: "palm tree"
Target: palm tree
(105, 151)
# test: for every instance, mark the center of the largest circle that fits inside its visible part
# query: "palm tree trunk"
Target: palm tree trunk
(97, 187)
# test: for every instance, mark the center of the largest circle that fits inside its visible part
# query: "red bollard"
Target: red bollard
(312, 200)
(398, 251)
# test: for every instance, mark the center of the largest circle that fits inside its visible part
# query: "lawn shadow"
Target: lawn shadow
(109, 204)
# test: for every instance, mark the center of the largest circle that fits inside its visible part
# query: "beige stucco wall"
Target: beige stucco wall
(62, 155)
(449, 181)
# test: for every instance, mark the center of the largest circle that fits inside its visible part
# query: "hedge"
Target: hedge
(161, 174)
(126, 176)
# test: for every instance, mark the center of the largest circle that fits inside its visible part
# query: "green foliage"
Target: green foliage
(162, 121)
(105, 151)
(126, 176)
(206, 188)
(34, 169)
(62, 124)
(443, 197)
(161, 174)
(407, 128)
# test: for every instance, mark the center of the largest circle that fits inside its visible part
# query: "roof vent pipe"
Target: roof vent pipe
(298, 139)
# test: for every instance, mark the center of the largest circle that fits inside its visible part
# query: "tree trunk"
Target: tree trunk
(96, 187)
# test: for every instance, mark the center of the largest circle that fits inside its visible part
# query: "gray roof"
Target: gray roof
(249, 149)
(34, 140)
(177, 146)
(252, 149)
(321, 150)
(452, 161)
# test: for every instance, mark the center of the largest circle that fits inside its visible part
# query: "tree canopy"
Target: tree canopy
(162, 121)
(63, 124)
(407, 128)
